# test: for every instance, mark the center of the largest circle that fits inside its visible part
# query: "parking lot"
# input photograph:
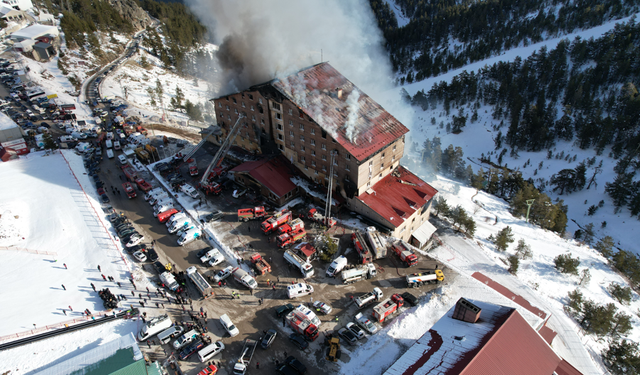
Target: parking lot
(245, 238)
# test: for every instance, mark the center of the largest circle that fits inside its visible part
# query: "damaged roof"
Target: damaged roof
(501, 342)
(271, 173)
(397, 196)
(352, 118)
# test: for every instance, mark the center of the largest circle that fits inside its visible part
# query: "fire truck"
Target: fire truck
(246, 214)
(293, 226)
(193, 167)
(128, 189)
(377, 242)
(302, 324)
(316, 216)
(261, 265)
(387, 307)
(362, 247)
(143, 185)
(290, 238)
(131, 174)
(427, 277)
(403, 251)
(272, 223)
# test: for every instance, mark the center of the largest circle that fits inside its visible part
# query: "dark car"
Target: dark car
(201, 253)
(215, 215)
(45, 125)
(410, 298)
(285, 370)
(159, 267)
(299, 341)
(268, 338)
(292, 362)
(192, 348)
(105, 198)
(348, 336)
(284, 310)
(152, 255)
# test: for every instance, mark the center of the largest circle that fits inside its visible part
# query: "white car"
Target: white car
(239, 193)
(134, 240)
(321, 306)
(140, 257)
(223, 274)
(216, 258)
(366, 324)
(356, 330)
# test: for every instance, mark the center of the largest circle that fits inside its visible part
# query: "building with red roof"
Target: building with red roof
(326, 126)
(476, 337)
(271, 177)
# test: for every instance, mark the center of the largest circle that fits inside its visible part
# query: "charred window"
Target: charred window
(324, 134)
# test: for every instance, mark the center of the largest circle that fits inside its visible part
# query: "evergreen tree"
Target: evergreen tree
(620, 293)
(503, 238)
(605, 246)
(514, 263)
(566, 264)
(622, 357)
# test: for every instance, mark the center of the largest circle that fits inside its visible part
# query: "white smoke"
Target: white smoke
(352, 118)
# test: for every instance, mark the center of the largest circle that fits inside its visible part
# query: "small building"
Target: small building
(476, 337)
(24, 46)
(34, 32)
(120, 356)
(270, 177)
(18, 4)
(11, 138)
(14, 15)
(43, 51)
(306, 251)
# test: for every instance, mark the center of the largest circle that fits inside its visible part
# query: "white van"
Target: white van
(210, 351)
(299, 290)
(153, 198)
(336, 266)
(116, 145)
(166, 335)
(229, 326)
(123, 159)
(189, 236)
(108, 143)
(189, 190)
(175, 217)
(151, 193)
(185, 339)
(110, 153)
(67, 138)
(153, 326)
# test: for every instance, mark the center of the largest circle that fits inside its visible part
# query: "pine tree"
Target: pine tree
(523, 251)
(503, 238)
(514, 263)
(620, 293)
(622, 357)
(605, 246)
(566, 264)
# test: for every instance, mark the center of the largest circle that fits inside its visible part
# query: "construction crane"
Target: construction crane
(214, 167)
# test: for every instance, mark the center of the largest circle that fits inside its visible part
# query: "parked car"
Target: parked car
(410, 298)
(215, 215)
(293, 362)
(299, 341)
(238, 193)
(134, 240)
(105, 198)
(268, 338)
(152, 255)
(284, 310)
(348, 336)
(223, 274)
(140, 257)
(190, 349)
(323, 307)
(359, 332)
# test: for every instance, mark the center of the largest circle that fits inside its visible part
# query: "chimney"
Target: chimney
(466, 311)
(340, 94)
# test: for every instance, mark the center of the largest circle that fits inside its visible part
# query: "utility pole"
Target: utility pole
(529, 204)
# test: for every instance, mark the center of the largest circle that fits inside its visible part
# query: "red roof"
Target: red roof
(273, 174)
(565, 368)
(352, 118)
(307, 249)
(397, 196)
(509, 294)
(500, 343)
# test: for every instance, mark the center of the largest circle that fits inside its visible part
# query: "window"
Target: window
(306, 167)
(313, 163)
(234, 101)
(261, 121)
(371, 163)
(235, 110)
(291, 133)
(324, 157)
(227, 98)
(382, 155)
(324, 134)
(313, 152)
(333, 140)
(335, 174)
(242, 104)
(313, 142)
(302, 148)
(393, 158)
(302, 138)
(290, 111)
(293, 145)
(250, 97)
(335, 162)
(382, 166)
(281, 147)
(278, 116)
(252, 108)
(380, 176)
(401, 229)
(280, 137)
(346, 168)
(348, 157)
(324, 168)
(313, 131)
(276, 106)
(253, 118)
(369, 184)
(302, 159)
(260, 100)
(324, 147)
(279, 126)
(290, 123)
(314, 178)
(346, 178)
(301, 127)
(219, 104)
(229, 116)
(394, 147)
(228, 108)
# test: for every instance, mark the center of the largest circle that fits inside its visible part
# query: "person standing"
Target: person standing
(99, 270)
(65, 266)
(63, 287)
(93, 286)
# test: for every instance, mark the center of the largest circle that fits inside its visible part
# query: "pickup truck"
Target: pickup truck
(249, 347)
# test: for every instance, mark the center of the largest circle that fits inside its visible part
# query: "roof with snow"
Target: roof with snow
(6, 122)
(424, 232)
(352, 118)
(398, 195)
(500, 342)
(35, 31)
(107, 358)
(271, 173)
